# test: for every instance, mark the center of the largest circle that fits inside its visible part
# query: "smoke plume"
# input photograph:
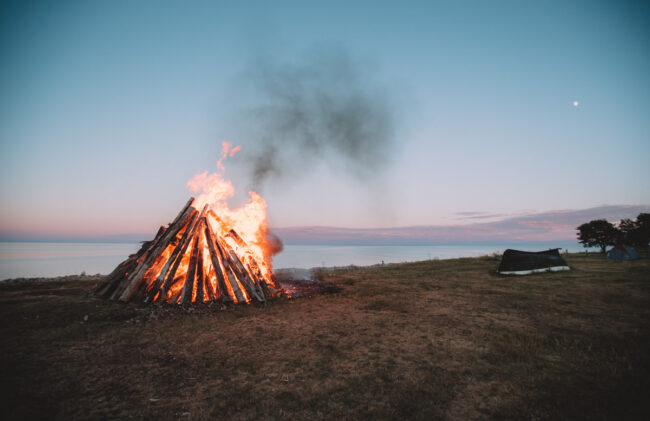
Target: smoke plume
(322, 107)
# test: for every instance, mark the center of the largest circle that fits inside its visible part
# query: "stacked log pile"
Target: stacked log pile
(188, 262)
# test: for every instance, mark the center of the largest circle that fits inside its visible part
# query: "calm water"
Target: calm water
(55, 259)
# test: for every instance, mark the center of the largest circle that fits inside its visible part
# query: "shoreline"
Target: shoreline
(296, 273)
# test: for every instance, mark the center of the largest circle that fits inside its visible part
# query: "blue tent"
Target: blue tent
(622, 252)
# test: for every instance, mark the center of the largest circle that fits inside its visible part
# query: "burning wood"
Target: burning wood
(187, 262)
(201, 256)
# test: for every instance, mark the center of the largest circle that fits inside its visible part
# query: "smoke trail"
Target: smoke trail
(322, 107)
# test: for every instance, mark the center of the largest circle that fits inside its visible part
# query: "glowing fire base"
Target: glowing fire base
(197, 258)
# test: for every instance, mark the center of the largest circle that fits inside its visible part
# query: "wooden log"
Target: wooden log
(176, 296)
(121, 280)
(261, 280)
(151, 246)
(111, 282)
(229, 275)
(188, 288)
(209, 288)
(200, 279)
(207, 284)
(266, 290)
(214, 256)
(233, 234)
(173, 261)
(180, 252)
(236, 266)
(244, 277)
(161, 231)
(214, 216)
(136, 277)
(234, 285)
(254, 272)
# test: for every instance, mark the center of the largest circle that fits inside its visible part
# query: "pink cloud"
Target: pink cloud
(557, 225)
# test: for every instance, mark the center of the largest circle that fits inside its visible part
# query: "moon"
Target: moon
(576, 103)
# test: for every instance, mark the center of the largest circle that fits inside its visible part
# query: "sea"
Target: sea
(36, 259)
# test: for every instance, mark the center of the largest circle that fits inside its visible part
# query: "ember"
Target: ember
(208, 253)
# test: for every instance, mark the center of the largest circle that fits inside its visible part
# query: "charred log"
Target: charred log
(159, 244)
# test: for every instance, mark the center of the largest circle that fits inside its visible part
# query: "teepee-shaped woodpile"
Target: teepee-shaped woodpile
(195, 259)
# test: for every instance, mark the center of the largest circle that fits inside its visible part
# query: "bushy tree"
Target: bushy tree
(598, 233)
(636, 232)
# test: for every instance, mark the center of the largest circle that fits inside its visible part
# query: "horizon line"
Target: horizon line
(546, 226)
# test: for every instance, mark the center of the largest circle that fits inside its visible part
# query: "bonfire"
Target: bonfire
(208, 253)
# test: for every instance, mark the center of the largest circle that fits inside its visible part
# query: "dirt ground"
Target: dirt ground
(446, 339)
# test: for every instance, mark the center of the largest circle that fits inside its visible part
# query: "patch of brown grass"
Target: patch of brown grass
(445, 339)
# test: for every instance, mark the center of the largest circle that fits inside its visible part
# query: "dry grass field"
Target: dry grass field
(444, 339)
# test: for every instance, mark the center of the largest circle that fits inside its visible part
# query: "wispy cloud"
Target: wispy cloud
(478, 215)
(556, 225)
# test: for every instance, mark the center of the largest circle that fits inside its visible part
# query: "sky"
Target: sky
(108, 108)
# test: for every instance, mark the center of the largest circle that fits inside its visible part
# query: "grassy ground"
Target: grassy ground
(445, 339)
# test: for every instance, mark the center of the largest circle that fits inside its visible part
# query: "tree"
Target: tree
(636, 233)
(629, 231)
(598, 233)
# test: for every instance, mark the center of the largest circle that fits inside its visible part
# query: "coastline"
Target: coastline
(47, 260)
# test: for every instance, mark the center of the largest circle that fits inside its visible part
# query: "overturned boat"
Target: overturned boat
(517, 262)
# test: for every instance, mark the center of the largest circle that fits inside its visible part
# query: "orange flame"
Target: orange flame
(210, 252)
(249, 221)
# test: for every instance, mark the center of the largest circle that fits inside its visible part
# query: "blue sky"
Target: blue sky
(108, 108)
